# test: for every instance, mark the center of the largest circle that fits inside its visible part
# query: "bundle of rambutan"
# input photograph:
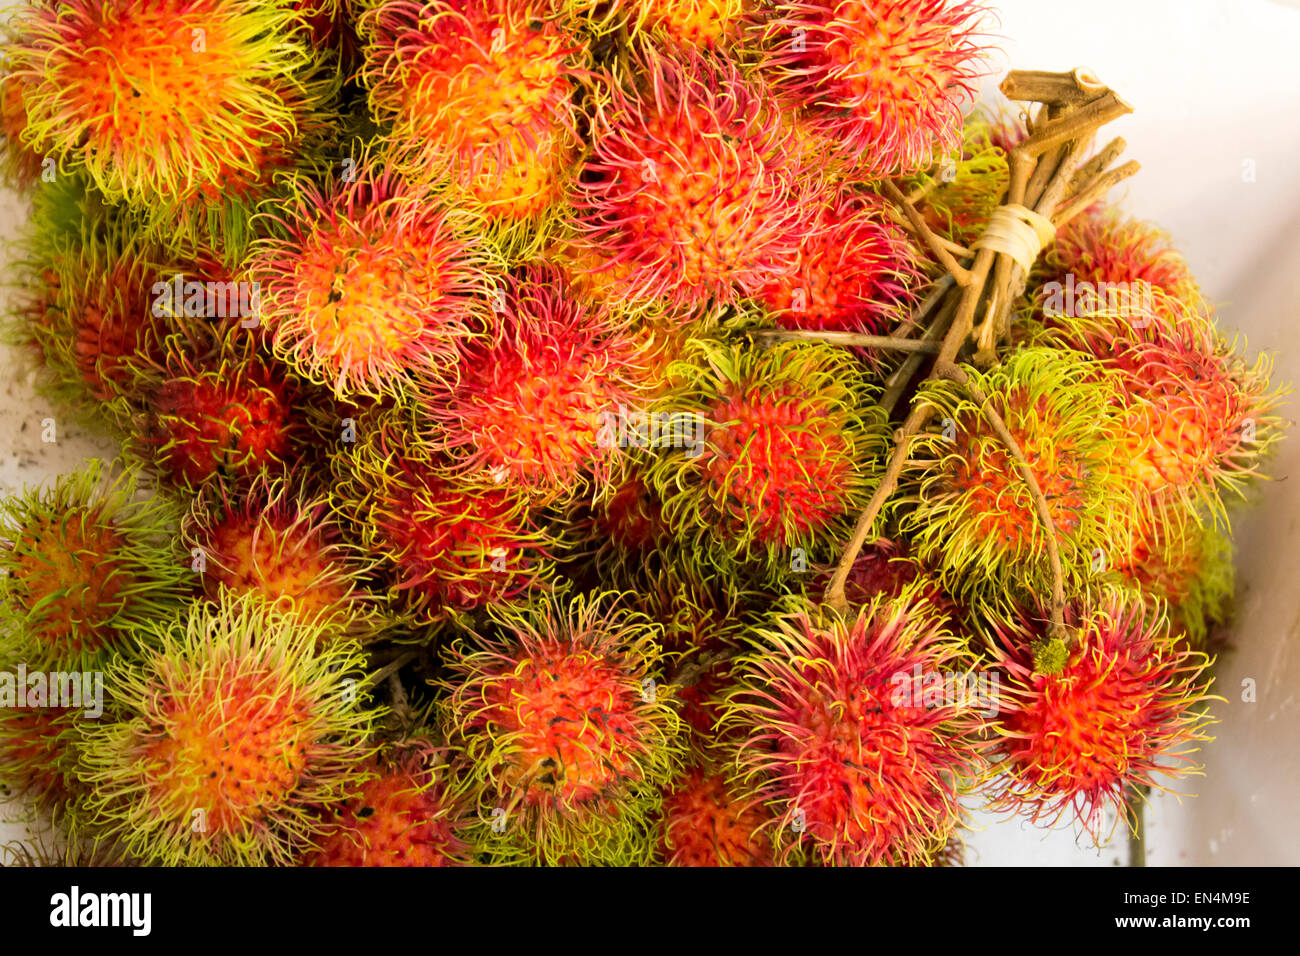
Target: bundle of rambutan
(648, 432)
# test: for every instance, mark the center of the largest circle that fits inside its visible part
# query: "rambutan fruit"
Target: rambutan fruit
(446, 544)
(856, 272)
(1103, 246)
(886, 567)
(213, 410)
(92, 315)
(1183, 562)
(409, 813)
(975, 521)
(783, 454)
(539, 398)
(479, 91)
(372, 284)
(1126, 705)
(838, 743)
(37, 755)
(567, 728)
(625, 526)
(233, 723)
(85, 564)
(22, 165)
(705, 824)
(888, 79)
(1198, 418)
(279, 540)
(698, 23)
(163, 100)
(691, 184)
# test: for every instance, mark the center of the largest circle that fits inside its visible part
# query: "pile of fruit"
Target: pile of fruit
(499, 384)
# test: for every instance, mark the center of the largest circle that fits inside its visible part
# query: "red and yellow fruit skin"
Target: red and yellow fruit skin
(1198, 418)
(1124, 709)
(372, 283)
(887, 567)
(38, 756)
(856, 272)
(22, 165)
(279, 540)
(479, 92)
(887, 79)
(849, 767)
(213, 410)
(705, 824)
(783, 456)
(568, 729)
(96, 98)
(84, 564)
(446, 544)
(232, 724)
(693, 187)
(968, 186)
(538, 398)
(975, 521)
(410, 813)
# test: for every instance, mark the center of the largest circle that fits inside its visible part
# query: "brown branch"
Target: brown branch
(960, 275)
(1098, 164)
(956, 374)
(1094, 191)
(1078, 124)
(849, 338)
(896, 384)
(1074, 88)
(1135, 805)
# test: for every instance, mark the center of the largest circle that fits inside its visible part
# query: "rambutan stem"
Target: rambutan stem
(938, 329)
(935, 244)
(1073, 88)
(1095, 190)
(1094, 167)
(956, 374)
(392, 667)
(1135, 807)
(849, 338)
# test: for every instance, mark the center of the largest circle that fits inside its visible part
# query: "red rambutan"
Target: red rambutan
(704, 824)
(886, 78)
(837, 746)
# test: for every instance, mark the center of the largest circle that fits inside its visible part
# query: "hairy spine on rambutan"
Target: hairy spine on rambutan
(705, 823)
(784, 449)
(975, 520)
(693, 188)
(1198, 418)
(372, 282)
(542, 400)
(846, 734)
(213, 409)
(887, 79)
(411, 812)
(232, 724)
(856, 272)
(85, 564)
(95, 97)
(280, 540)
(1123, 709)
(482, 92)
(568, 729)
(446, 544)
(37, 752)
(961, 195)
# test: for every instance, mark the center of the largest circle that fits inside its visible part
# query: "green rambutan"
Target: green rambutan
(539, 399)
(705, 824)
(446, 544)
(85, 565)
(232, 723)
(409, 813)
(784, 451)
(886, 78)
(970, 184)
(691, 184)
(838, 744)
(567, 729)
(974, 519)
(1126, 706)
(280, 541)
(372, 283)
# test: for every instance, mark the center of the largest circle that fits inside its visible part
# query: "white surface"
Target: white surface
(1216, 84)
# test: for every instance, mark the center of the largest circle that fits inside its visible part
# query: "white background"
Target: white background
(1216, 86)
